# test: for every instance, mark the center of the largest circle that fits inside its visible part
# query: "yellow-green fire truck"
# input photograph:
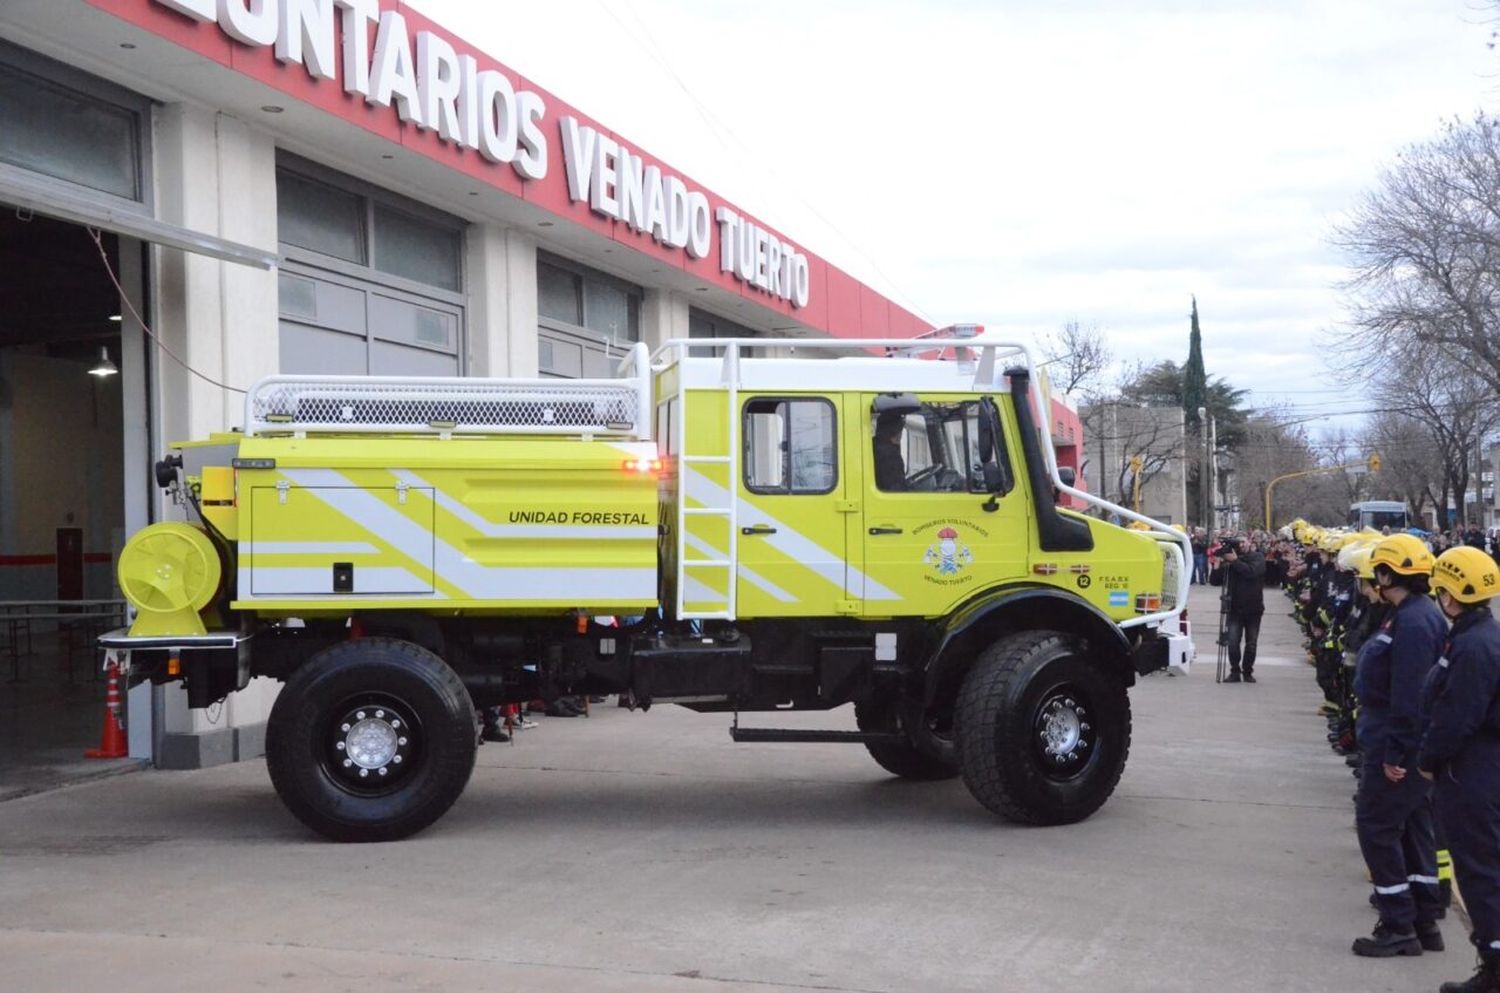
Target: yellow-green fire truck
(777, 524)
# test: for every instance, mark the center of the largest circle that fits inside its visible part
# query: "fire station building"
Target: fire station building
(198, 193)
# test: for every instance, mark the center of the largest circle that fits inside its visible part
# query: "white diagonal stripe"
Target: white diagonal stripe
(787, 540)
(745, 571)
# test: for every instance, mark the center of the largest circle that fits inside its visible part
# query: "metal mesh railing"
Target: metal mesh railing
(337, 404)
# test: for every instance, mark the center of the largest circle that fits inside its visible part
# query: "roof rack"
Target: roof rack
(451, 405)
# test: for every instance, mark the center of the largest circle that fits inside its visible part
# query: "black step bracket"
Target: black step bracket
(791, 735)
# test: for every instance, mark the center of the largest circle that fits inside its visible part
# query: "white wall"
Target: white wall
(217, 175)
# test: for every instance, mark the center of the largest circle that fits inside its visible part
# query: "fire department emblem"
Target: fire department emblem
(947, 555)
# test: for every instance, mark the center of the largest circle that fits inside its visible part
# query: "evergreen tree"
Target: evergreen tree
(1194, 379)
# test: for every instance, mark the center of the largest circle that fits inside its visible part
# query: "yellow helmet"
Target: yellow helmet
(1403, 554)
(1468, 574)
(1345, 558)
(1359, 562)
(1329, 542)
(1138, 526)
(1179, 527)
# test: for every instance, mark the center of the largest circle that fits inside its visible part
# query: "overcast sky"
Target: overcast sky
(1022, 163)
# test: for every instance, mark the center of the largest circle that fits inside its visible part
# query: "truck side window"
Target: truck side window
(790, 446)
(934, 450)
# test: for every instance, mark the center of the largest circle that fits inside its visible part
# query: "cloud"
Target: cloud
(1024, 164)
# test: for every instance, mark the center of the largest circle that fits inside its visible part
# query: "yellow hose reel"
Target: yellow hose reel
(169, 571)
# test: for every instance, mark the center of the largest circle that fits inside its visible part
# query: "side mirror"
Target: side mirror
(1067, 475)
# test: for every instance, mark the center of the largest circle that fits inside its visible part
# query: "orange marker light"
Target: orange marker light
(643, 466)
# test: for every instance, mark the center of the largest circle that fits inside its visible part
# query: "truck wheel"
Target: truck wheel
(371, 740)
(1043, 730)
(902, 759)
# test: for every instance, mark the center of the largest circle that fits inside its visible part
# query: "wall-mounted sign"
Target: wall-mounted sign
(432, 86)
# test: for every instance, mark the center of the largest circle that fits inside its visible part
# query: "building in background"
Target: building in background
(1126, 442)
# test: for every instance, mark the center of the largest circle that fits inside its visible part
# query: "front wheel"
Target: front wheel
(1043, 729)
(371, 740)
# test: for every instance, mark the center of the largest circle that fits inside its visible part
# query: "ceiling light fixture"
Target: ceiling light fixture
(271, 108)
(115, 318)
(104, 367)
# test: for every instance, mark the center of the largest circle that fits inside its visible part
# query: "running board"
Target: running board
(793, 735)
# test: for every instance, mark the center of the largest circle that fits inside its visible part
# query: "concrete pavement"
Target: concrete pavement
(645, 852)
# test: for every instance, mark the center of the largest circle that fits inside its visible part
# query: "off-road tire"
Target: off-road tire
(370, 675)
(902, 759)
(1001, 729)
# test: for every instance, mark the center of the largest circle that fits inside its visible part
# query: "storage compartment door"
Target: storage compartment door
(323, 541)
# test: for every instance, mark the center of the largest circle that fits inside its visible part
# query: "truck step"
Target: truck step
(811, 735)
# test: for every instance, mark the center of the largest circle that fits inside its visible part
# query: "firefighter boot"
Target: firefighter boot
(1387, 942)
(1486, 978)
(1430, 936)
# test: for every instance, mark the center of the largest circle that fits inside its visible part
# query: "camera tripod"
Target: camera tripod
(1223, 641)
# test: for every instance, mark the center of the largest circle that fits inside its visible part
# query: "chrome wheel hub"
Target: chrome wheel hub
(1064, 735)
(370, 745)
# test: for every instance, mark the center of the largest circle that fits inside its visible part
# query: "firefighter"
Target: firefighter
(1461, 747)
(1392, 811)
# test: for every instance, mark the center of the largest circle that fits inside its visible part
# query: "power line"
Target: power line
(720, 131)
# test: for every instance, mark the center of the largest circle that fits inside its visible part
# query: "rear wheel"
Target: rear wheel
(1043, 729)
(371, 740)
(906, 759)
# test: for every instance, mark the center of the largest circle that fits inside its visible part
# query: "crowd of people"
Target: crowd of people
(1406, 652)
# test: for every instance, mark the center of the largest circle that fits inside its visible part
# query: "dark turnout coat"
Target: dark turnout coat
(1244, 581)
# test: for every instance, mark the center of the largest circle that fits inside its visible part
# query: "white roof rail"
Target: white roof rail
(455, 404)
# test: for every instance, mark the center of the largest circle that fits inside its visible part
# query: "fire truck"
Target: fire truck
(739, 526)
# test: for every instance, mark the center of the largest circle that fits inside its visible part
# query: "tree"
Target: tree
(1425, 247)
(1163, 385)
(1194, 379)
(1450, 400)
(1077, 359)
(1411, 469)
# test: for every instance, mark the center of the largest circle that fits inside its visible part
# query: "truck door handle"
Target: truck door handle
(758, 529)
(885, 531)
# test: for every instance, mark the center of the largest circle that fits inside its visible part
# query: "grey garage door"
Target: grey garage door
(331, 324)
(370, 283)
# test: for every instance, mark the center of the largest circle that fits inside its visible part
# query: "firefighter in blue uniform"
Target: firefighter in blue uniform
(1392, 813)
(1461, 747)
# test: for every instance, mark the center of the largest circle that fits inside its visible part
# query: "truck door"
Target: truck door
(943, 516)
(792, 508)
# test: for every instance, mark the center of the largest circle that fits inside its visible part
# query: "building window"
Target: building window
(340, 219)
(702, 324)
(64, 124)
(790, 446)
(588, 319)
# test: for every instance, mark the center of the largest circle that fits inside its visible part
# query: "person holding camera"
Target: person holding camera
(1241, 571)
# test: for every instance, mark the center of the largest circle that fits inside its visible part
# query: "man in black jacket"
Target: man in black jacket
(1242, 573)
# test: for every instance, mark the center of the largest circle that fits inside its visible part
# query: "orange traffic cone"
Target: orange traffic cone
(112, 743)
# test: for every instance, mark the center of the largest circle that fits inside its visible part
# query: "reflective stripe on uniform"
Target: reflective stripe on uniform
(1383, 638)
(1443, 661)
(1430, 880)
(1392, 890)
